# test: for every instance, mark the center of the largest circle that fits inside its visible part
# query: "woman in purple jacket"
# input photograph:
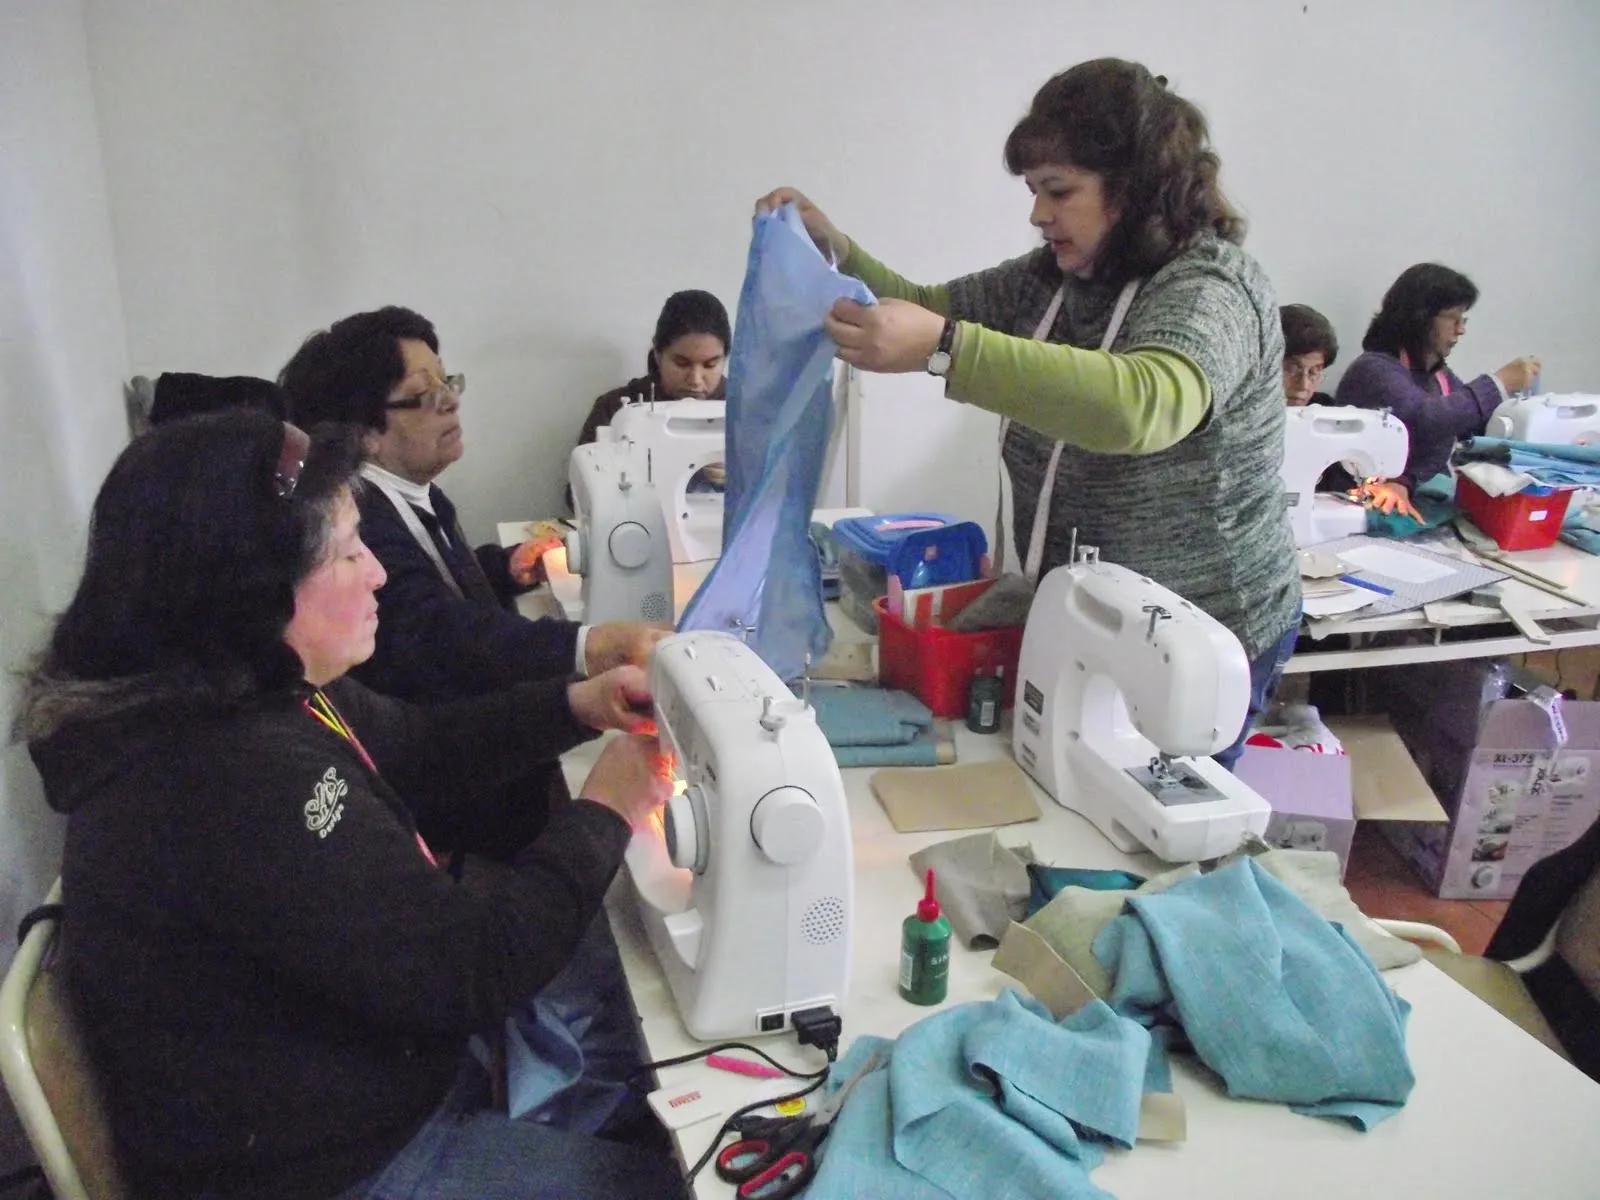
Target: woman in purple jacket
(1403, 369)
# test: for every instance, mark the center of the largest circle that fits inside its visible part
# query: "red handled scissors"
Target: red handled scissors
(779, 1159)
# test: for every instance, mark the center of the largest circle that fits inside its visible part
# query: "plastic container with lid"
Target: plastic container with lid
(923, 549)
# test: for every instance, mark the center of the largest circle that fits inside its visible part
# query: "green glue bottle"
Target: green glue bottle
(925, 952)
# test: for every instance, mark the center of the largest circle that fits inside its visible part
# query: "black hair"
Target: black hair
(348, 371)
(1405, 319)
(1150, 147)
(193, 559)
(684, 313)
(1306, 330)
(689, 312)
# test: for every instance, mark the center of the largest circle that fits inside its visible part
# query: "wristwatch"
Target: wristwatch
(939, 360)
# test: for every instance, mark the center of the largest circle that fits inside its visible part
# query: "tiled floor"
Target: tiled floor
(1383, 885)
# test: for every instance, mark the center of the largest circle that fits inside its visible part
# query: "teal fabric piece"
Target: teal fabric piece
(1581, 530)
(1435, 500)
(1274, 998)
(1045, 882)
(924, 752)
(869, 716)
(988, 1101)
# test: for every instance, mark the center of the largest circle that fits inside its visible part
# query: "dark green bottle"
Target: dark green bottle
(985, 696)
(925, 952)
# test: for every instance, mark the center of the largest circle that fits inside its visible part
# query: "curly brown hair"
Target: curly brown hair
(1151, 149)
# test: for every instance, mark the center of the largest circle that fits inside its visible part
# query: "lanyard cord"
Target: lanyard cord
(320, 707)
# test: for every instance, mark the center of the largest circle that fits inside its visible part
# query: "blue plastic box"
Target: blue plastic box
(922, 549)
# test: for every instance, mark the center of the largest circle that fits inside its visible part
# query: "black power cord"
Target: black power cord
(819, 1027)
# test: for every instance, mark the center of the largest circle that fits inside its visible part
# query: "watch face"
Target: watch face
(939, 362)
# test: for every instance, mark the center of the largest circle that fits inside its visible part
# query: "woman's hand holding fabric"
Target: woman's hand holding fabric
(892, 336)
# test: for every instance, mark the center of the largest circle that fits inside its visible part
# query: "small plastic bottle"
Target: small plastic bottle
(984, 696)
(925, 952)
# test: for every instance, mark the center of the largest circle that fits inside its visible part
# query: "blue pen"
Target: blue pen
(1362, 583)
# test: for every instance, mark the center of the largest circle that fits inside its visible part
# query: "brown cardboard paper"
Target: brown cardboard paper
(970, 796)
(1032, 962)
(1385, 783)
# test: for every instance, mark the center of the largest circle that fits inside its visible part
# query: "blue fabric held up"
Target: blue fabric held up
(1274, 998)
(988, 1101)
(767, 584)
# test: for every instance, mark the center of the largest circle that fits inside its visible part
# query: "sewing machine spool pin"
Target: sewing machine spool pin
(1157, 613)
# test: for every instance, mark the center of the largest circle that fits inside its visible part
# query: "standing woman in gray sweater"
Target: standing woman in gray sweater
(1136, 356)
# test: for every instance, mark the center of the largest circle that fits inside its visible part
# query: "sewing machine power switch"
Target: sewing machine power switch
(787, 825)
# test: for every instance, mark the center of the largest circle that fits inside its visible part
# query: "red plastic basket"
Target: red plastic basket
(1520, 521)
(937, 666)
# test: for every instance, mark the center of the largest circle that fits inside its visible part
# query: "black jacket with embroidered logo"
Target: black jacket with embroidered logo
(277, 985)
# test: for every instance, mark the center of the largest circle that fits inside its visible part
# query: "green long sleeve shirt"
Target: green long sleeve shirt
(1138, 402)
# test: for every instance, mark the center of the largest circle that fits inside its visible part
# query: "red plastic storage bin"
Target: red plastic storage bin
(1520, 521)
(936, 666)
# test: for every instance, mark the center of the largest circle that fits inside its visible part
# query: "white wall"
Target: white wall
(61, 356)
(537, 177)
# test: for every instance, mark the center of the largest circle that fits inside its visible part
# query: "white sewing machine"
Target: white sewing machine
(1123, 691)
(1572, 420)
(619, 544)
(676, 440)
(747, 888)
(1371, 442)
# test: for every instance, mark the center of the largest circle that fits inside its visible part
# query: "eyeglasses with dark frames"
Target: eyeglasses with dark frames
(429, 401)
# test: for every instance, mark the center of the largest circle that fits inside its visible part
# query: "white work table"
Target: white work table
(1474, 631)
(1494, 1112)
(1451, 629)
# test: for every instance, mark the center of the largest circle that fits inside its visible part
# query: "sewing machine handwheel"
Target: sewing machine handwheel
(573, 541)
(684, 825)
(787, 825)
(629, 544)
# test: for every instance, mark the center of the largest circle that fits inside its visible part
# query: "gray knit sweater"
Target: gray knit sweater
(1205, 517)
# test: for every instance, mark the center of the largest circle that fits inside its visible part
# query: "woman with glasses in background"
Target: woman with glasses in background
(449, 629)
(1309, 348)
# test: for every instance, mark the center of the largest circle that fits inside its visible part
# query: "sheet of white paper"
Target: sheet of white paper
(1396, 564)
(1339, 602)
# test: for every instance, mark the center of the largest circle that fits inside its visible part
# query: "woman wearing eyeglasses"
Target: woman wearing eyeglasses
(1309, 348)
(1402, 368)
(277, 977)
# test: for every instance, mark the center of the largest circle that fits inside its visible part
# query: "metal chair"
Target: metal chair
(48, 1074)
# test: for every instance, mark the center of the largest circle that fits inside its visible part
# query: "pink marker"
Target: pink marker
(743, 1066)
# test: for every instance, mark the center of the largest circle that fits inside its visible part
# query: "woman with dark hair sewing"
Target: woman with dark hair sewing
(1136, 356)
(1402, 368)
(277, 979)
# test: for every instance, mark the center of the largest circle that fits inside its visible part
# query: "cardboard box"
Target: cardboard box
(1318, 798)
(1525, 796)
